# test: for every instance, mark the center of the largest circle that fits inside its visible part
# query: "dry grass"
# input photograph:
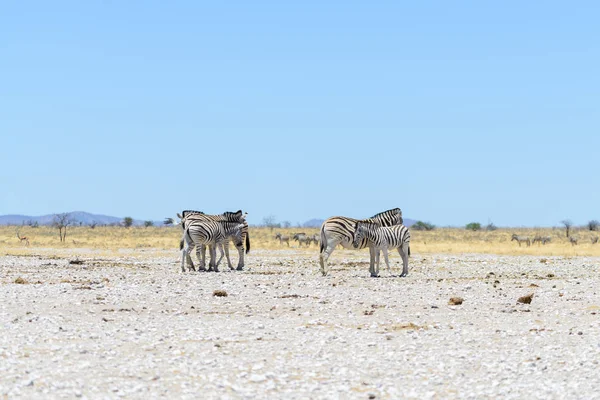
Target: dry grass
(442, 240)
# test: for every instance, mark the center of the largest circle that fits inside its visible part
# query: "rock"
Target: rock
(220, 293)
(455, 301)
(525, 299)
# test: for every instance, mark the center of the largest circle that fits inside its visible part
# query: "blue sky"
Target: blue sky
(453, 111)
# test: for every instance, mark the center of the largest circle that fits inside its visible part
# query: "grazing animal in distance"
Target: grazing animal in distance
(541, 239)
(594, 239)
(521, 239)
(283, 238)
(382, 238)
(23, 239)
(302, 238)
(573, 240)
(341, 230)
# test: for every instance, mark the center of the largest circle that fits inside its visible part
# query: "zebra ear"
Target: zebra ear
(179, 216)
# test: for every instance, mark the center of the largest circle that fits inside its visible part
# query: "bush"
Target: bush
(491, 227)
(593, 225)
(422, 226)
(473, 226)
(148, 223)
(127, 222)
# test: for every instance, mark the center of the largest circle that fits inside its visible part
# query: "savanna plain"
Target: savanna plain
(107, 314)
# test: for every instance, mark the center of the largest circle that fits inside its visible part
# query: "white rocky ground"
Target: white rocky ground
(134, 326)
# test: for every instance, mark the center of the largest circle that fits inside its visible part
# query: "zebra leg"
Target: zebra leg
(403, 251)
(375, 272)
(221, 250)
(212, 249)
(201, 254)
(185, 256)
(241, 249)
(226, 247)
(327, 249)
(371, 260)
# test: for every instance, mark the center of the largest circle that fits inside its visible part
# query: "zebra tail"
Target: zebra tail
(409, 250)
(247, 242)
(181, 244)
(323, 238)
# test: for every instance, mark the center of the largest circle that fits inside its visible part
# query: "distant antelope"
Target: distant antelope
(594, 239)
(283, 238)
(521, 239)
(23, 238)
(573, 240)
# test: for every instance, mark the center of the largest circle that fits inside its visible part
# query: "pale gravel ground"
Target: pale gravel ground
(133, 326)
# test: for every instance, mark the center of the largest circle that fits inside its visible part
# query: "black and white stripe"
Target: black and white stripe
(382, 238)
(341, 230)
(190, 216)
(212, 234)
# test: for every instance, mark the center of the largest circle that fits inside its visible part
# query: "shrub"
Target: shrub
(491, 227)
(148, 223)
(473, 226)
(593, 225)
(127, 222)
(422, 226)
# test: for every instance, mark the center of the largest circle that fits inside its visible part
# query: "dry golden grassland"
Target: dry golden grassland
(440, 240)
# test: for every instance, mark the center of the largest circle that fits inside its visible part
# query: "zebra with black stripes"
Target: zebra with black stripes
(382, 238)
(212, 234)
(341, 230)
(188, 216)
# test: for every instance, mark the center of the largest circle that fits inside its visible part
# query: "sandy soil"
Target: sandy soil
(133, 326)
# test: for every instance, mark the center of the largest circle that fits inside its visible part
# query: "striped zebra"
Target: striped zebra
(594, 239)
(381, 238)
(521, 239)
(541, 239)
(188, 216)
(214, 234)
(283, 238)
(302, 238)
(341, 230)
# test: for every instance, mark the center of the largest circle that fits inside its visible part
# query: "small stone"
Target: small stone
(455, 301)
(525, 299)
(220, 293)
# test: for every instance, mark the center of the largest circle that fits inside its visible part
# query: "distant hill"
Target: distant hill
(78, 217)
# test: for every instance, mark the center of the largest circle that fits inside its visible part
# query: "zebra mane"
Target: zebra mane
(185, 213)
(392, 211)
(367, 224)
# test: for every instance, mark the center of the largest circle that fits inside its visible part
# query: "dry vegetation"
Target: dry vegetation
(441, 240)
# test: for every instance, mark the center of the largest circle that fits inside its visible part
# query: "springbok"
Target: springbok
(23, 239)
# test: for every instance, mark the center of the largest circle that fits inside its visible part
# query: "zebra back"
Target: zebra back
(391, 236)
(345, 227)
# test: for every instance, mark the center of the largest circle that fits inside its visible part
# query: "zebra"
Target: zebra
(541, 239)
(212, 233)
(521, 239)
(283, 238)
(340, 230)
(382, 238)
(315, 239)
(573, 240)
(302, 238)
(187, 216)
(594, 239)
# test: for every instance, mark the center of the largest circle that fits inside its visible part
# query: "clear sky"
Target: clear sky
(453, 111)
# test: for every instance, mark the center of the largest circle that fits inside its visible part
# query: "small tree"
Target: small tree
(127, 222)
(473, 226)
(271, 222)
(593, 225)
(286, 224)
(148, 223)
(422, 226)
(168, 221)
(568, 224)
(93, 224)
(491, 227)
(61, 222)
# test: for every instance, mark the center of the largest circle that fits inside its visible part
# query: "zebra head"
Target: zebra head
(389, 217)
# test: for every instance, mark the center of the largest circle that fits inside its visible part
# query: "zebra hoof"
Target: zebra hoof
(239, 269)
